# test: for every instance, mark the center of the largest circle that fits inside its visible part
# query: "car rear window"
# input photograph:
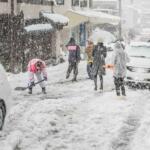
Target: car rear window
(139, 51)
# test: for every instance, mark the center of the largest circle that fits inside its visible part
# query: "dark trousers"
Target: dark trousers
(89, 69)
(101, 81)
(72, 66)
(119, 85)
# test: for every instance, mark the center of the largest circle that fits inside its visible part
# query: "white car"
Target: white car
(5, 91)
(138, 69)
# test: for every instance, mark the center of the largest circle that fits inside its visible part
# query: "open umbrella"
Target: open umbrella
(102, 35)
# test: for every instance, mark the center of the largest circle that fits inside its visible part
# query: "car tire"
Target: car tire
(2, 113)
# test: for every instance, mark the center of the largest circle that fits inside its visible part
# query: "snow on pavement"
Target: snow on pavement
(72, 116)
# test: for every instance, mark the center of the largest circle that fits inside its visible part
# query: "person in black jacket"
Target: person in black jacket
(99, 55)
(73, 58)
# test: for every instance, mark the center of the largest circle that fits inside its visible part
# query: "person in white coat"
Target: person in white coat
(119, 60)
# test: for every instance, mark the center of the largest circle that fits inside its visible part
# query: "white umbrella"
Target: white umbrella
(102, 35)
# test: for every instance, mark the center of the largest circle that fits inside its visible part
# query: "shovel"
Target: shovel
(24, 88)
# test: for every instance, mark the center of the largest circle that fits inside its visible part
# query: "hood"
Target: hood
(139, 62)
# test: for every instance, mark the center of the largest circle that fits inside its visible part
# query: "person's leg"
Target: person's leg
(42, 84)
(123, 87)
(31, 81)
(70, 67)
(95, 82)
(101, 82)
(75, 71)
(89, 70)
(117, 86)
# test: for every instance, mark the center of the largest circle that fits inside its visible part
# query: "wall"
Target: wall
(5, 7)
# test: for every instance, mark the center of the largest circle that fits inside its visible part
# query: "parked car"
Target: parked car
(4, 96)
(138, 69)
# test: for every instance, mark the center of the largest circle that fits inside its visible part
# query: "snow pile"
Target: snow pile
(72, 116)
(94, 14)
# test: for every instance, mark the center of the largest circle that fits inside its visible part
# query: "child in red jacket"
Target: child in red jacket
(37, 67)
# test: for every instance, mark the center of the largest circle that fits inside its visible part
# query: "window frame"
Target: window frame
(83, 3)
(60, 3)
(4, 1)
(75, 4)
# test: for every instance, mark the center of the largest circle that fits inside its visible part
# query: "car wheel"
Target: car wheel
(2, 113)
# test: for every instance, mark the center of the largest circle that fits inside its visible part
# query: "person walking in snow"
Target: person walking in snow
(99, 55)
(37, 67)
(73, 58)
(119, 60)
(89, 51)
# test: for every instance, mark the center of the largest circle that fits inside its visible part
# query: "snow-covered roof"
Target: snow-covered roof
(91, 13)
(38, 27)
(91, 16)
(105, 0)
(56, 18)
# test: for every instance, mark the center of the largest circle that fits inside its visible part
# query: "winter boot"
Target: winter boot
(95, 88)
(67, 75)
(101, 83)
(44, 90)
(74, 78)
(123, 90)
(30, 91)
(118, 92)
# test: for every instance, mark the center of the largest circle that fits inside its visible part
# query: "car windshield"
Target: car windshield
(138, 51)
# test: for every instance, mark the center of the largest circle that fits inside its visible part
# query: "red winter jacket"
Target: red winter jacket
(32, 66)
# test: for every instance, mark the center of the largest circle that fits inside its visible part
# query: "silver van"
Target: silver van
(138, 69)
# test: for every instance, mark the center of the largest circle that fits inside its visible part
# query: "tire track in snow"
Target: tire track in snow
(131, 124)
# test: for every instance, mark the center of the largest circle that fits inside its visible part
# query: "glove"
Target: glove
(109, 66)
(45, 78)
(32, 84)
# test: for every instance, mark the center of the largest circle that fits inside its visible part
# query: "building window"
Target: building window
(60, 2)
(75, 2)
(3, 0)
(30, 1)
(38, 2)
(83, 3)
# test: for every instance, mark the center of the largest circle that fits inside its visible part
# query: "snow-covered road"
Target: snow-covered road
(72, 116)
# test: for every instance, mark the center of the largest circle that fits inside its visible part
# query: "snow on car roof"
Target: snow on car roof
(138, 44)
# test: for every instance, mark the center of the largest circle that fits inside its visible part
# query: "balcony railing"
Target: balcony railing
(36, 2)
(4, 1)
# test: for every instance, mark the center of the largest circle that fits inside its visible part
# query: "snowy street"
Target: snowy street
(72, 116)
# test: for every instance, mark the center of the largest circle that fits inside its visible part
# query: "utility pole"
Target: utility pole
(12, 7)
(52, 6)
(120, 15)
(90, 3)
(11, 37)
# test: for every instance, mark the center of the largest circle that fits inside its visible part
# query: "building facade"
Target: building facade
(106, 6)
(17, 46)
